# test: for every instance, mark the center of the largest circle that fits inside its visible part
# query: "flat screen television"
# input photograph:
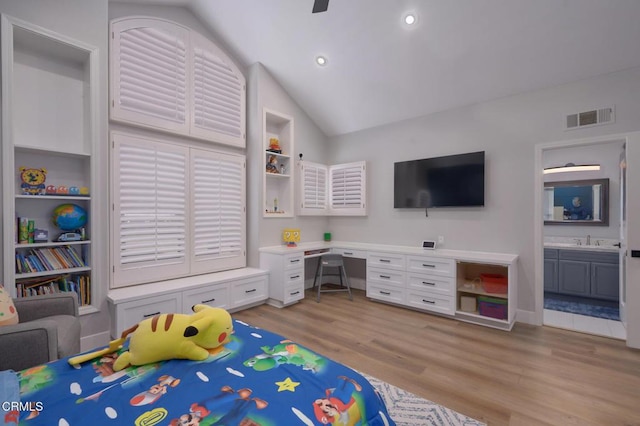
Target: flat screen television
(450, 181)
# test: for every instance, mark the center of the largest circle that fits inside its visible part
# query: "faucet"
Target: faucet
(588, 240)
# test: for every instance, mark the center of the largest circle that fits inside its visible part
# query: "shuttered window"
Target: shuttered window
(149, 73)
(218, 188)
(347, 189)
(219, 93)
(313, 189)
(178, 211)
(150, 210)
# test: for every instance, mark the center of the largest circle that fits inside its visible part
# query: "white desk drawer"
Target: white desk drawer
(293, 260)
(293, 293)
(386, 260)
(431, 265)
(294, 277)
(130, 313)
(385, 292)
(214, 295)
(433, 283)
(431, 302)
(358, 254)
(386, 277)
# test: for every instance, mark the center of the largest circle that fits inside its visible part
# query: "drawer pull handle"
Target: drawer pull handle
(348, 253)
(294, 261)
(385, 261)
(426, 265)
(294, 293)
(294, 277)
(250, 291)
(385, 276)
(152, 315)
(386, 293)
(429, 301)
(209, 300)
(428, 283)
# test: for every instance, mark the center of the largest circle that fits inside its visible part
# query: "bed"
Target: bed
(258, 378)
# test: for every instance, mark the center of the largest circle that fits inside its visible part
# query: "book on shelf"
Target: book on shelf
(80, 284)
(47, 259)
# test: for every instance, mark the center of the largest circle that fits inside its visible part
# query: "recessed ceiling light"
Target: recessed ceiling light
(409, 19)
(321, 60)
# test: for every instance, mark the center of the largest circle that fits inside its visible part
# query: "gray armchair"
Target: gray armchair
(49, 329)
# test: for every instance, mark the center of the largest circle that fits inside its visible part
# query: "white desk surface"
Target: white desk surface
(460, 255)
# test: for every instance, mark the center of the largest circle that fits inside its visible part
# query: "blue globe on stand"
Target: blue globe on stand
(69, 217)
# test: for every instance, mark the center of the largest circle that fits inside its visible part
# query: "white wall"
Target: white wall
(86, 21)
(507, 130)
(607, 155)
(265, 92)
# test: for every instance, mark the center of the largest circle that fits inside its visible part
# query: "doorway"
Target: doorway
(581, 262)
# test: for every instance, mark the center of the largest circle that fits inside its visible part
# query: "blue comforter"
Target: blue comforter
(259, 378)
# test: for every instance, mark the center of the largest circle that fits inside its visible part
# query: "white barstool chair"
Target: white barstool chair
(331, 260)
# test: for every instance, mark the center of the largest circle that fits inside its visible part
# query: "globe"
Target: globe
(69, 217)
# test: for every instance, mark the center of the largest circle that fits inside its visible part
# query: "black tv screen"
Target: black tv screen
(450, 181)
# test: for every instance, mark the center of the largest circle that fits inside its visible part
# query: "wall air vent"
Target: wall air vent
(590, 118)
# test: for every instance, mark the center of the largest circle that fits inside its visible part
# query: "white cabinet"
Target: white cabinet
(232, 290)
(278, 152)
(167, 77)
(49, 127)
(286, 277)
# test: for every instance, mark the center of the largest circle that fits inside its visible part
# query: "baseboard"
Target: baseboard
(526, 317)
(93, 341)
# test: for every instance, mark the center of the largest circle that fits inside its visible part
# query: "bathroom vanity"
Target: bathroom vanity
(584, 271)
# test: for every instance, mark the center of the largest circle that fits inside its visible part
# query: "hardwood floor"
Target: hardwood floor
(529, 376)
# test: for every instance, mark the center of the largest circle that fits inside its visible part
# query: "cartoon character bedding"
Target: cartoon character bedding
(257, 379)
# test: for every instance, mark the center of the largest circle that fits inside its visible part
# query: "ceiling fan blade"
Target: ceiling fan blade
(320, 6)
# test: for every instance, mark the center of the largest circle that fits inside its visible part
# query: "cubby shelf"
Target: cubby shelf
(278, 185)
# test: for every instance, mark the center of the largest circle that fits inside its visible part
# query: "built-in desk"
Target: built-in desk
(434, 281)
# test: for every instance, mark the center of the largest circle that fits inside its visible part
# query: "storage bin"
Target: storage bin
(492, 307)
(494, 283)
(468, 304)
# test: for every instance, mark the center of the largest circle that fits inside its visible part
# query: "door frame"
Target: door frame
(539, 219)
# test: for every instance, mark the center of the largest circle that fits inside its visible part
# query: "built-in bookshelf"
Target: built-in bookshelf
(49, 137)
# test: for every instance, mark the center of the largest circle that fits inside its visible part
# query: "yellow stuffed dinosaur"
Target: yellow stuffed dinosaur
(169, 336)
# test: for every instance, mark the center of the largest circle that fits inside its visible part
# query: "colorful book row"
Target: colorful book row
(48, 259)
(80, 284)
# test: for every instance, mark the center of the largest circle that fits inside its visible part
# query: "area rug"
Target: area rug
(606, 310)
(407, 409)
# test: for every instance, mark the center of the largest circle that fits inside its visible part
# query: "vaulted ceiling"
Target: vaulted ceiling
(459, 52)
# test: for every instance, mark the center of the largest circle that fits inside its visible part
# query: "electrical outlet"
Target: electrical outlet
(440, 239)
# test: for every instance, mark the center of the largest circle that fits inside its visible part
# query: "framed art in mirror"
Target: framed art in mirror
(577, 202)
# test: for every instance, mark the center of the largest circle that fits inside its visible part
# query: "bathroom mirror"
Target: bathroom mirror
(577, 202)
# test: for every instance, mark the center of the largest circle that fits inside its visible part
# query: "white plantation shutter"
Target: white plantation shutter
(150, 210)
(347, 189)
(149, 73)
(219, 94)
(314, 188)
(218, 208)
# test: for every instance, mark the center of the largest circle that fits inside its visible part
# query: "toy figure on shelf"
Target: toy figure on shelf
(274, 146)
(272, 165)
(33, 180)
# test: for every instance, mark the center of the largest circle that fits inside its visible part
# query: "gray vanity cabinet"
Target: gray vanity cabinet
(585, 273)
(551, 270)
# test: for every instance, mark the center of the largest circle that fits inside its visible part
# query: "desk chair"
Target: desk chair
(331, 260)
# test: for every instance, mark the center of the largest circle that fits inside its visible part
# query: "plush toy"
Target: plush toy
(8, 313)
(169, 336)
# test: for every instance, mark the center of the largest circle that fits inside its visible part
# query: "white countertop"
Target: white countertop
(462, 255)
(584, 247)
